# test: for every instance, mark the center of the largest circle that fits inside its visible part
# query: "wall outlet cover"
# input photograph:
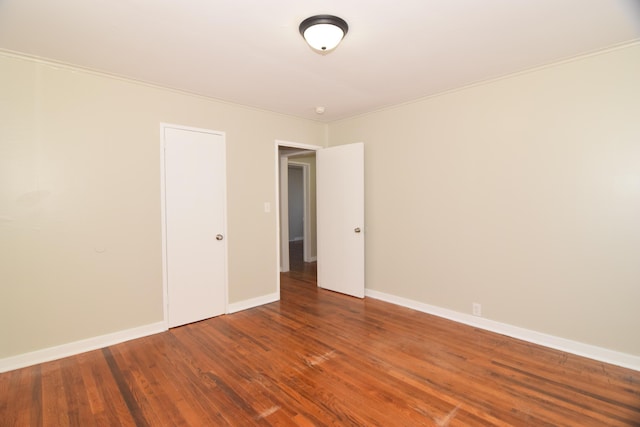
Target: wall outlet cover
(476, 309)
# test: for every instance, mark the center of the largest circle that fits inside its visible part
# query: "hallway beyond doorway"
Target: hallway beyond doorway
(298, 269)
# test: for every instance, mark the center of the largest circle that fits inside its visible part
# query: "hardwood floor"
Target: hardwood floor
(298, 269)
(318, 358)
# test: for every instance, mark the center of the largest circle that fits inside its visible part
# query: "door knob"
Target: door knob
(219, 237)
(357, 229)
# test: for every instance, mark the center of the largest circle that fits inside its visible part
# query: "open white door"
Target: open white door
(194, 181)
(340, 218)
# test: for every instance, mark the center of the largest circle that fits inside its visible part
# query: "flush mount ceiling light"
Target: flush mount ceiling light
(323, 32)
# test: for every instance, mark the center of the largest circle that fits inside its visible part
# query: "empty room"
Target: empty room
(412, 213)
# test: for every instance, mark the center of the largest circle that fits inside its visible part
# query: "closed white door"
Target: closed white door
(340, 218)
(194, 200)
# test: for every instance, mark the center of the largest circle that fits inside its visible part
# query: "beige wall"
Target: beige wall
(522, 194)
(80, 240)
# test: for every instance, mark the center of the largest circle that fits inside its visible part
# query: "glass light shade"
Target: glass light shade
(323, 37)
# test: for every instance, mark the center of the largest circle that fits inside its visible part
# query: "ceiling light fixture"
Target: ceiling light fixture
(323, 32)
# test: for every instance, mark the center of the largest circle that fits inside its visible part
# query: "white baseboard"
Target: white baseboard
(77, 347)
(574, 347)
(296, 239)
(253, 302)
(311, 259)
(592, 352)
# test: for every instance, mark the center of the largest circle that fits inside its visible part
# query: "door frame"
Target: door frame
(283, 203)
(306, 208)
(163, 219)
(280, 230)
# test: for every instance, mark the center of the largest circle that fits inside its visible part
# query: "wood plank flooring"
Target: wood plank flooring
(317, 358)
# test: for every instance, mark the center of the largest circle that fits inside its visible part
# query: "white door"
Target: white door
(194, 190)
(340, 218)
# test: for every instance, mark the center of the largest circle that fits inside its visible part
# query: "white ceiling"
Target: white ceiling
(250, 52)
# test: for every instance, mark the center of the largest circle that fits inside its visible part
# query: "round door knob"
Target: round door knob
(219, 237)
(357, 229)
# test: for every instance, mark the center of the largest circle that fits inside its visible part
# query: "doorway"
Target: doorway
(296, 211)
(297, 196)
(301, 194)
(339, 212)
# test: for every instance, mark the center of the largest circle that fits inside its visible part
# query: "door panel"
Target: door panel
(194, 171)
(340, 218)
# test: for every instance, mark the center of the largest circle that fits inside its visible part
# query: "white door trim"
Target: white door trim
(163, 220)
(279, 209)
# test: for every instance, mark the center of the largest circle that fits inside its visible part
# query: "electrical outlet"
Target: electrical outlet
(476, 309)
